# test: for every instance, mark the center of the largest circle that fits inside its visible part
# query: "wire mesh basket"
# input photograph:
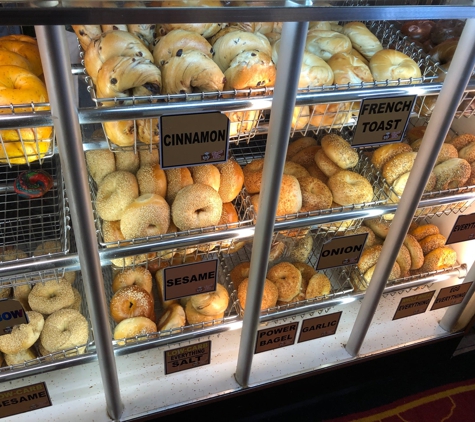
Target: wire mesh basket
(34, 227)
(25, 145)
(230, 314)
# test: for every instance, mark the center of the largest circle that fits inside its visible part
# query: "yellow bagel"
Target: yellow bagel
(26, 47)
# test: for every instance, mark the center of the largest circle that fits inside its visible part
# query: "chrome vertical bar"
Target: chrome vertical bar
(449, 98)
(288, 73)
(59, 81)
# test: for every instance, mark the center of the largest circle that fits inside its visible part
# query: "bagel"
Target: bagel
(306, 156)
(148, 215)
(22, 336)
(177, 178)
(231, 180)
(398, 165)
(431, 242)
(350, 188)
(369, 257)
(173, 317)
(21, 357)
(386, 152)
(269, 295)
(100, 162)
(195, 317)
(138, 276)
(295, 170)
(325, 164)
(211, 303)
(20, 86)
(133, 327)
(122, 133)
(417, 256)
(24, 46)
(8, 57)
(300, 249)
(196, 206)
(64, 329)
(288, 280)
(424, 230)
(110, 44)
(239, 273)
(451, 174)
(152, 179)
(116, 192)
(370, 239)
(318, 285)
(127, 161)
(362, 39)
(339, 151)
(299, 144)
(131, 301)
(393, 275)
(206, 174)
(461, 141)
(325, 44)
(393, 65)
(86, 34)
(439, 259)
(404, 260)
(148, 132)
(467, 152)
(349, 69)
(50, 296)
(315, 194)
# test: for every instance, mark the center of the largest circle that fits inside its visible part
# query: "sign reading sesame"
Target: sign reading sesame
(193, 139)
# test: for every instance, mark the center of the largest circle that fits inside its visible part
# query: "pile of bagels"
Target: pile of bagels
(133, 306)
(187, 58)
(53, 309)
(423, 251)
(21, 82)
(136, 198)
(317, 176)
(453, 169)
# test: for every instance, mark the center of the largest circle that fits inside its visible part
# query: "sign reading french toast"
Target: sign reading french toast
(321, 326)
(464, 229)
(413, 305)
(193, 139)
(11, 313)
(24, 399)
(187, 357)
(382, 120)
(449, 296)
(190, 279)
(341, 251)
(276, 337)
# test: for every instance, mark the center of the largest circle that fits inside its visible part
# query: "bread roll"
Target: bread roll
(325, 44)
(348, 69)
(393, 65)
(362, 39)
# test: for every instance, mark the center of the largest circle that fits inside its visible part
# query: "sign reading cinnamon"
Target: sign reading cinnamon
(382, 120)
(463, 230)
(193, 139)
(190, 279)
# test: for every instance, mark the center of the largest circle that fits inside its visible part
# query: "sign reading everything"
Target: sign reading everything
(321, 326)
(464, 229)
(24, 399)
(449, 296)
(193, 139)
(190, 279)
(11, 313)
(187, 357)
(413, 305)
(382, 120)
(340, 251)
(277, 337)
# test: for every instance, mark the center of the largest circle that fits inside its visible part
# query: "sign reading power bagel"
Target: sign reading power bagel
(193, 139)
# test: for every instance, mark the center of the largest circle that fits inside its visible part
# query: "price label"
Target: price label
(449, 296)
(321, 326)
(413, 305)
(464, 229)
(382, 120)
(193, 139)
(24, 399)
(190, 279)
(277, 337)
(187, 357)
(340, 251)
(11, 314)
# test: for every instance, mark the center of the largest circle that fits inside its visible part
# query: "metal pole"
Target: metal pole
(59, 81)
(288, 73)
(439, 124)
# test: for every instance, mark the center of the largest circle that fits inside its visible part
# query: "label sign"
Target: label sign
(277, 337)
(382, 120)
(187, 357)
(464, 229)
(193, 139)
(24, 399)
(11, 313)
(321, 326)
(190, 279)
(449, 296)
(339, 251)
(413, 305)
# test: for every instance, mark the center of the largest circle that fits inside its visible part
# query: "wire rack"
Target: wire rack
(33, 227)
(246, 124)
(241, 203)
(26, 145)
(339, 277)
(230, 315)
(454, 207)
(246, 153)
